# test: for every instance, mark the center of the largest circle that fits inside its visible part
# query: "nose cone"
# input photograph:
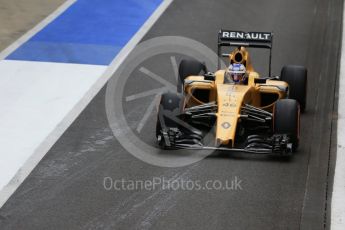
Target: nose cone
(230, 98)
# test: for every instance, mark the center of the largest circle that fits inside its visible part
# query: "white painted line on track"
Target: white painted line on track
(338, 195)
(55, 134)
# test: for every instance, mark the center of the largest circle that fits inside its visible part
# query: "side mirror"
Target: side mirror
(209, 76)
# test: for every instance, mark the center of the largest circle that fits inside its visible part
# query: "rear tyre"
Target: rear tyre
(287, 120)
(171, 103)
(188, 68)
(296, 77)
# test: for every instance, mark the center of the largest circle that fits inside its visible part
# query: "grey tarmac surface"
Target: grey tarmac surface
(66, 191)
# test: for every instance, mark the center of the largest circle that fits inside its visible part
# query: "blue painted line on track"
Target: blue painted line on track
(89, 32)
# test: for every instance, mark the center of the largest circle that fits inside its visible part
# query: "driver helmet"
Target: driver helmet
(236, 73)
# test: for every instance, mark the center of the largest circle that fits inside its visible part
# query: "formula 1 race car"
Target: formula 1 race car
(216, 110)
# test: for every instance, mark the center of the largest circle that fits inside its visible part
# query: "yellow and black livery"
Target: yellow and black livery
(261, 115)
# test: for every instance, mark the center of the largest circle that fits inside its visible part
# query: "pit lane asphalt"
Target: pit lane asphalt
(66, 191)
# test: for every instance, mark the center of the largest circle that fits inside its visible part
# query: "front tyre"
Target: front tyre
(286, 120)
(170, 103)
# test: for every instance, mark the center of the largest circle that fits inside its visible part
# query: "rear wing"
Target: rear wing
(246, 39)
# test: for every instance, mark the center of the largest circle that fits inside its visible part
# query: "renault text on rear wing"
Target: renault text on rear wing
(225, 35)
(245, 39)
